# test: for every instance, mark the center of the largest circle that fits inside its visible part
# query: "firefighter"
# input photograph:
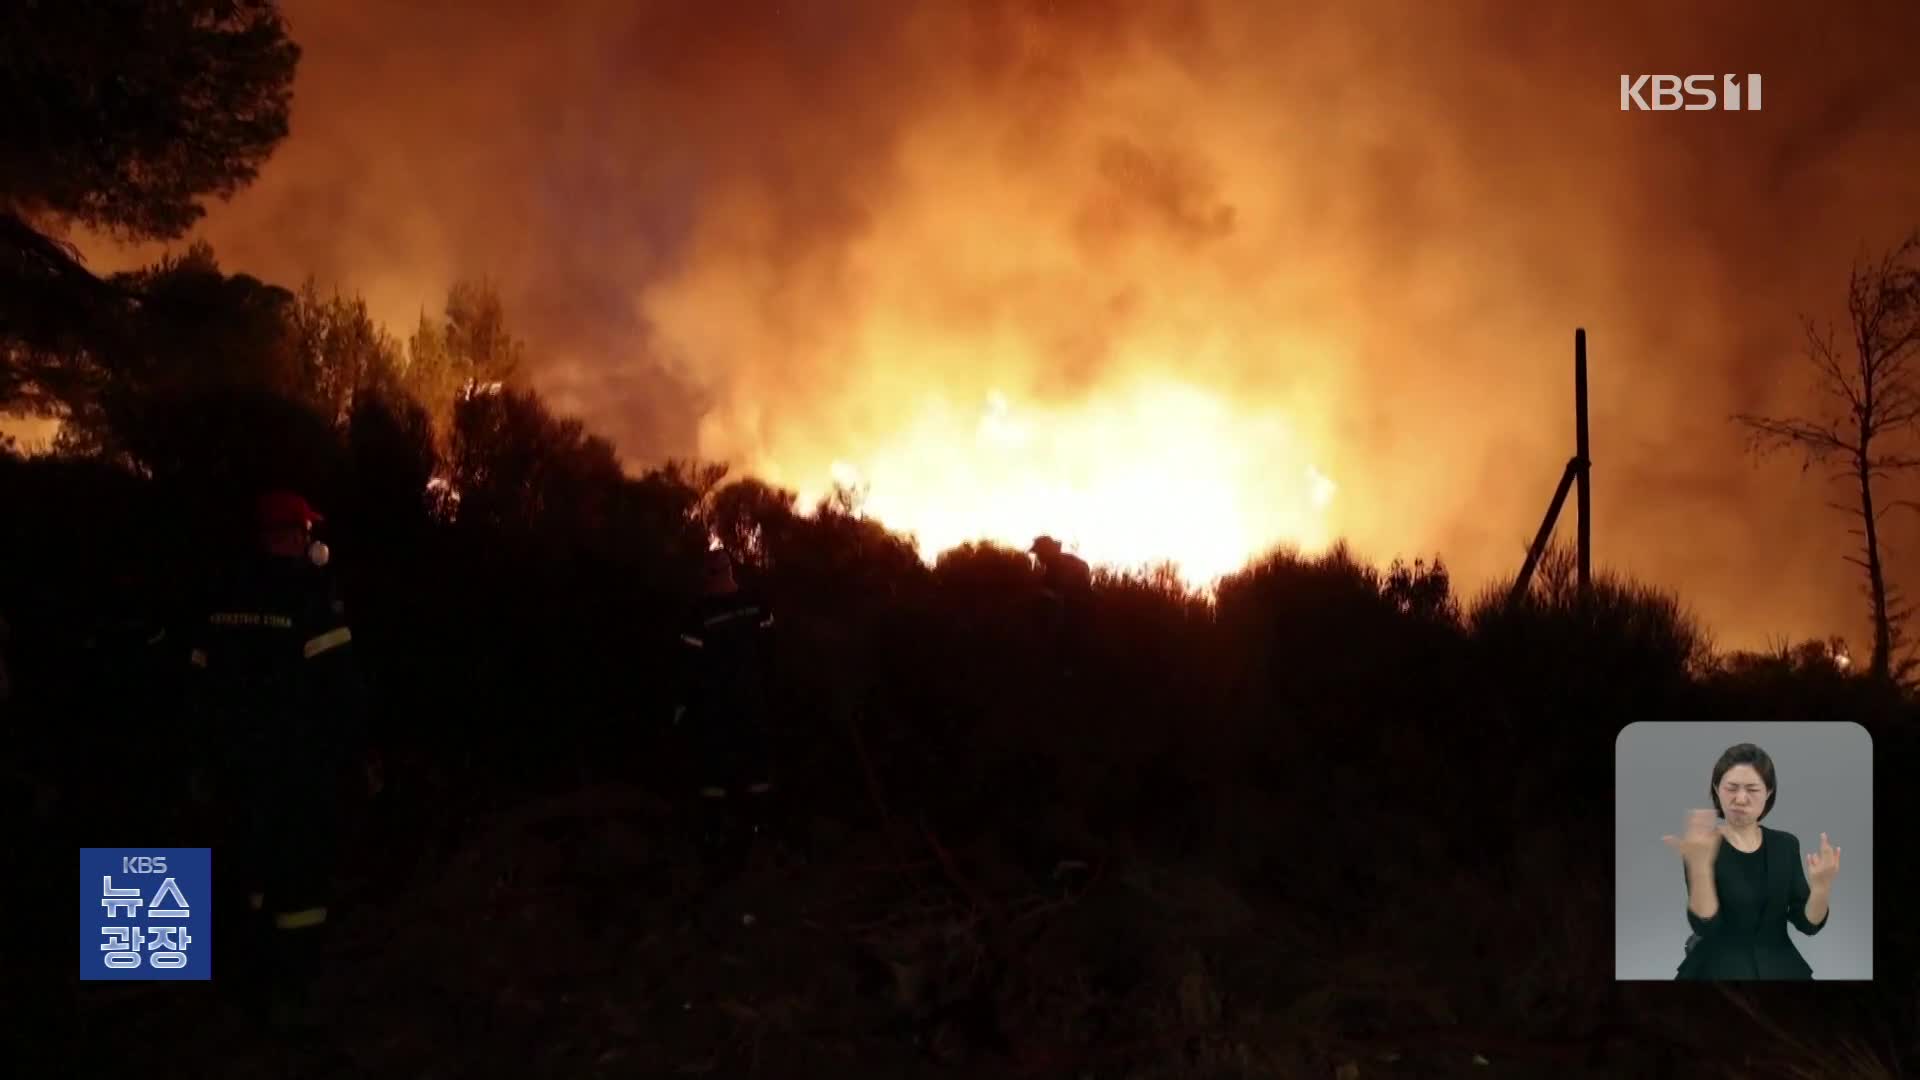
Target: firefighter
(1066, 586)
(726, 645)
(274, 686)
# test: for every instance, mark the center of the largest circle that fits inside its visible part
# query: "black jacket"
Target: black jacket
(272, 677)
(1747, 937)
(726, 647)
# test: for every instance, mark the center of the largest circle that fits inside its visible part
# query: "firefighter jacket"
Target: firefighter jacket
(272, 678)
(726, 647)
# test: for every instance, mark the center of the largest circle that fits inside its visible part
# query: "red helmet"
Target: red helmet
(284, 509)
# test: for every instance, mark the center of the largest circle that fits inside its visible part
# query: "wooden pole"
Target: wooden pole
(1539, 547)
(1580, 456)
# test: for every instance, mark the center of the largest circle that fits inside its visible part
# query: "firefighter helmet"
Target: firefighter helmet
(284, 509)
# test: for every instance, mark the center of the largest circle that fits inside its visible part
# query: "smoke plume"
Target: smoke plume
(1169, 279)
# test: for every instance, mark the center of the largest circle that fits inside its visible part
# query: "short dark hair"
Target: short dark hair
(1746, 754)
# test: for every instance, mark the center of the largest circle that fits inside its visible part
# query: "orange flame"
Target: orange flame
(1154, 472)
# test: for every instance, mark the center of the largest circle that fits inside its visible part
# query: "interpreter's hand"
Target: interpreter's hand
(1701, 840)
(373, 769)
(1823, 865)
(679, 712)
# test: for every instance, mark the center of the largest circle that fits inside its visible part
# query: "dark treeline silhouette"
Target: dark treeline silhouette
(1330, 811)
(1332, 814)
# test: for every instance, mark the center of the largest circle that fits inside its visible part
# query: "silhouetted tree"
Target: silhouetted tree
(125, 114)
(482, 348)
(519, 470)
(980, 567)
(654, 527)
(342, 352)
(1423, 590)
(122, 115)
(1302, 623)
(679, 493)
(466, 349)
(750, 519)
(51, 312)
(391, 442)
(838, 547)
(197, 331)
(221, 445)
(1873, 407)
(201, 326)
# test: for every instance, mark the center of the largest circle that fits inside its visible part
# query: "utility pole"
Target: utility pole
(1578, 469)
(1585, 463)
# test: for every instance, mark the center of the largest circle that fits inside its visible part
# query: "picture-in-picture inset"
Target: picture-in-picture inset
(1743, 851)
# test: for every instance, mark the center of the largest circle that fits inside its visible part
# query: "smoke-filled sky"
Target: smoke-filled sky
(1166, 279)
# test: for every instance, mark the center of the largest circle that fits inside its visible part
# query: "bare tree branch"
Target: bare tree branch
(1878, 390)
(1769, 434)
(1834, 380)
(1893, 412)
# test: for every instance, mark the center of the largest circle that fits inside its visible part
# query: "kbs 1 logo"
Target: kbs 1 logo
(146, 913)
(1694, 93)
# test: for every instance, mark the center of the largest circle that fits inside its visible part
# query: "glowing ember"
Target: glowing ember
(1160, 471)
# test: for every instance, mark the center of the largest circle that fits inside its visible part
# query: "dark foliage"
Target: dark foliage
(1226, 764)
(1318, 810)
(125, 114)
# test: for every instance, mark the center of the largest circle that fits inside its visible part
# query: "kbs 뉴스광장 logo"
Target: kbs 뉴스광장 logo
(146, 913)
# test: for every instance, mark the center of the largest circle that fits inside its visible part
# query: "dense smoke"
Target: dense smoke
(1266, 270)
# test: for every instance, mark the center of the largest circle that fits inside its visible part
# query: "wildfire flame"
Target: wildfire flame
(1158, 471)
(1082, 332)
